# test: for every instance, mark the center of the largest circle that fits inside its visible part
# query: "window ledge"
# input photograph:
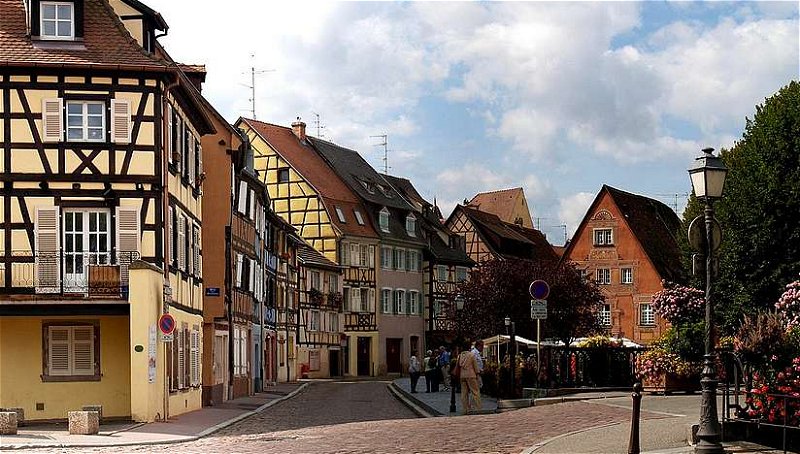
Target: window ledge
(69, 378)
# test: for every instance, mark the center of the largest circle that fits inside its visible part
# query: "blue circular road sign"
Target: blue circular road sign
(166, 324)
(539, 289)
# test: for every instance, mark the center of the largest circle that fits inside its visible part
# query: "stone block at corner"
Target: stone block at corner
(84, 422)
(8, 423)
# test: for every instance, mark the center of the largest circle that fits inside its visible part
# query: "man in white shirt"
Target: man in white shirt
(477, 350)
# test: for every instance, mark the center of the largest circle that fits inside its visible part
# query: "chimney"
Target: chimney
(299, 129)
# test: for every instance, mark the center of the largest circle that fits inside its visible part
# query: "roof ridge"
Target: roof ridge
(496, 191)
(131, 40)
(253, 120)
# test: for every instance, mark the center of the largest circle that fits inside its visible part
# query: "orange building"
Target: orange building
(627, 243)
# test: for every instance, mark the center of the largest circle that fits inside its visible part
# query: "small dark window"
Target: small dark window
(283, 176)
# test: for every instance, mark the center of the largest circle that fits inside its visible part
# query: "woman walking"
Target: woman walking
(413, 371)
(468, 374)
(430, 371)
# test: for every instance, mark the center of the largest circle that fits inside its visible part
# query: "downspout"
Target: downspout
(228, 286)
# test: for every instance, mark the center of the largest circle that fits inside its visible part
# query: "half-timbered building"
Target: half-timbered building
(510, 205)
(627, 244)
(101, 217)
(309, 195)
(445, 265)
(319, 332)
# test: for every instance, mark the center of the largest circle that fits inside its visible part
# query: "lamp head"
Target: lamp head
(507, 321)
(708, 175)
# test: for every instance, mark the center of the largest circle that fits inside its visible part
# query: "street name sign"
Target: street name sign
(538, 309)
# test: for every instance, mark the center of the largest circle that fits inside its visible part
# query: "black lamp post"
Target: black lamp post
(708, 180)
(459, 306)
(510, 329)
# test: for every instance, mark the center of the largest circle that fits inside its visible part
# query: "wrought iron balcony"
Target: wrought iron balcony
(66, 273)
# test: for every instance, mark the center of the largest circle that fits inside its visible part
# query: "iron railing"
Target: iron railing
(568, 367)
(86, 273)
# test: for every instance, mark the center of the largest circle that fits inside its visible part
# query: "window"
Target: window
(367, 299)
(239, 350)
(363, 255)
(386, 301)
(333, 327)
(411, 225)
(603, 237)
(71, 353)
(383, 220)
(346, 299)
(412, 261)
(438, 306)
(333, 283)
(86, 121)
(626, 276)
(355, 299)
(441, 271)
(461, 274)
(646, 315)
(605, 315)
(400, 259)
(399, 301)
(283, 175)
(313, 324)
(359, 219)
(340, 215)
(57, 21)
(386, 257)
(603, 276)
(413, 302)
(316, 280)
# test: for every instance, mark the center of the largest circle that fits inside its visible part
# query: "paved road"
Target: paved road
(363, 417)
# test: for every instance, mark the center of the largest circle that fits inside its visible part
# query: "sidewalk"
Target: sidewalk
(435, 404)
(187, 427)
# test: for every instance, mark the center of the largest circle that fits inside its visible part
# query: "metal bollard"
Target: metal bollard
(633, 443)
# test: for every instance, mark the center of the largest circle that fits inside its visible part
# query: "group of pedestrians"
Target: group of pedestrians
(440, 366)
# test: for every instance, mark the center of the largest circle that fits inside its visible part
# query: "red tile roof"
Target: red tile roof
(305, 160)
(501, 203)
(106, 42)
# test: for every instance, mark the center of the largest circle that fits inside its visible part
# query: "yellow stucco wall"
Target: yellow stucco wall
(21, 369)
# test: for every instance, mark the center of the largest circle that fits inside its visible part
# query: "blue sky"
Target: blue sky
(556, 97)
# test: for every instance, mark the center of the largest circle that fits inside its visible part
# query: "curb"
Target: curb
(184, 439)
(419, 408)
(543, 443)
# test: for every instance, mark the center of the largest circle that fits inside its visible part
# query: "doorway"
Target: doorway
(333, 360)
(364, 355)
(394, 349)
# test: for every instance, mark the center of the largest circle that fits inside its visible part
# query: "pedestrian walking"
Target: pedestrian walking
(444, 367)
(468, 376)
(477, 351)
(413, 371)
(430, 371)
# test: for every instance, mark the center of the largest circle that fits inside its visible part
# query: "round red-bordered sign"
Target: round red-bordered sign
(539, 289)
(166, 323)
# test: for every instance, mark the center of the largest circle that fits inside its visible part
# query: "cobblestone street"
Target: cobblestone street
(363, 417)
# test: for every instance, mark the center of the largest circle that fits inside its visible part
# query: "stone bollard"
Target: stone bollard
(633, 444)
(84, 422)
(97, 408)
(8, 423)
(20, 414)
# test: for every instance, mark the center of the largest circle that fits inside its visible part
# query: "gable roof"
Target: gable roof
(503, 204)
(407, 190)
(304, 159)
(106, 42)
(359, 175)
(654, 225)
(310, 257)
(505, 239)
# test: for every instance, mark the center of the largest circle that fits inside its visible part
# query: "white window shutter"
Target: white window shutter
(238, 270)
(371, 302)
(181, 356)
(52, 119)
(200, 161)
(181, 243)
(47, 250)
(58, 358)
(128, 237)
(196, 238)
(371, 259)
(120, 121)
(251, 286)
(190, 160)
(83, 350)
(193, 358)
(168, 232)
(242, 197)
(168, 135)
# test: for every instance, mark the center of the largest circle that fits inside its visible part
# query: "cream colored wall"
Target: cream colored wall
(146, 298)
(134, 26)
(192, 399)
(21, 369)
(353, 351)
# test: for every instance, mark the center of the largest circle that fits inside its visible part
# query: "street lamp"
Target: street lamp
(708, 180)
(510, 326)
(459, 306)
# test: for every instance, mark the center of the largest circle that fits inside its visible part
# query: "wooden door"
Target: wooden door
(394, 349)
(364, 355)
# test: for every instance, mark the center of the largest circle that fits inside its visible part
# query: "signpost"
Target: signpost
(166, 323)
(539, 291)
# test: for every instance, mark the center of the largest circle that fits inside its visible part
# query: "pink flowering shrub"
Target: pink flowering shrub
(653, 364)
(678, 303)
(788, 306)
(766, 399)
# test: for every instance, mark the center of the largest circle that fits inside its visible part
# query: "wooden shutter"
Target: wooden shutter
(181, 243)
(345, 253)
(47, 250)
(83, 350)
(181, 357)
(196, 249)
(199, 160)
(190, 158)
(252, 284)
(168, 233)
(371, 301)
(121, 121)
(128, 239)
(168, 142)
(58, 360)
(354, 255)
(52, 119)
(371, 259)
(193, 358)
(239, 270)
(175, 357)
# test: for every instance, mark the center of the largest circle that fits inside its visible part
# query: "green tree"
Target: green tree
(760, 210)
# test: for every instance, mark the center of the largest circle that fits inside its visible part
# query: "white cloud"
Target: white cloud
(572, 209)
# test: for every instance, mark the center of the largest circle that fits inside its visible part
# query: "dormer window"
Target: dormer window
(383, 220)
(411, 225)
(57, 20)
(340, 215)
(359, 218)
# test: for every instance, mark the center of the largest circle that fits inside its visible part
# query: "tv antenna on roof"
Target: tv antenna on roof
(252, 86)
(319, 125)
(385, 145)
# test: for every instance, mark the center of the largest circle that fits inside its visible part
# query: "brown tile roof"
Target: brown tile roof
(311, 258)
(509, 240)
(500, 203)
(305, 160)
(106, 42)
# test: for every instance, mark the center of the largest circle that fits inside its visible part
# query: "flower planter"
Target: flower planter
(668, 383)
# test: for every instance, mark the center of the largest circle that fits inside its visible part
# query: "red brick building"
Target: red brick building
(627, 243)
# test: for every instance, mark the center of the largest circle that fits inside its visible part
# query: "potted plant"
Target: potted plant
(315, 297)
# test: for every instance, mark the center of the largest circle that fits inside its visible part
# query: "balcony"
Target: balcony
(360, 321)
(62, 275)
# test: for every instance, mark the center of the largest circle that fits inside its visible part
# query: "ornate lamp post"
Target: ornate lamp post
(459, 306)
(708, 179)
(512, 363)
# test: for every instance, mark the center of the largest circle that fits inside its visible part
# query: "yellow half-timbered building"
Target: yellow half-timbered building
(101, 213)
(309, 195)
